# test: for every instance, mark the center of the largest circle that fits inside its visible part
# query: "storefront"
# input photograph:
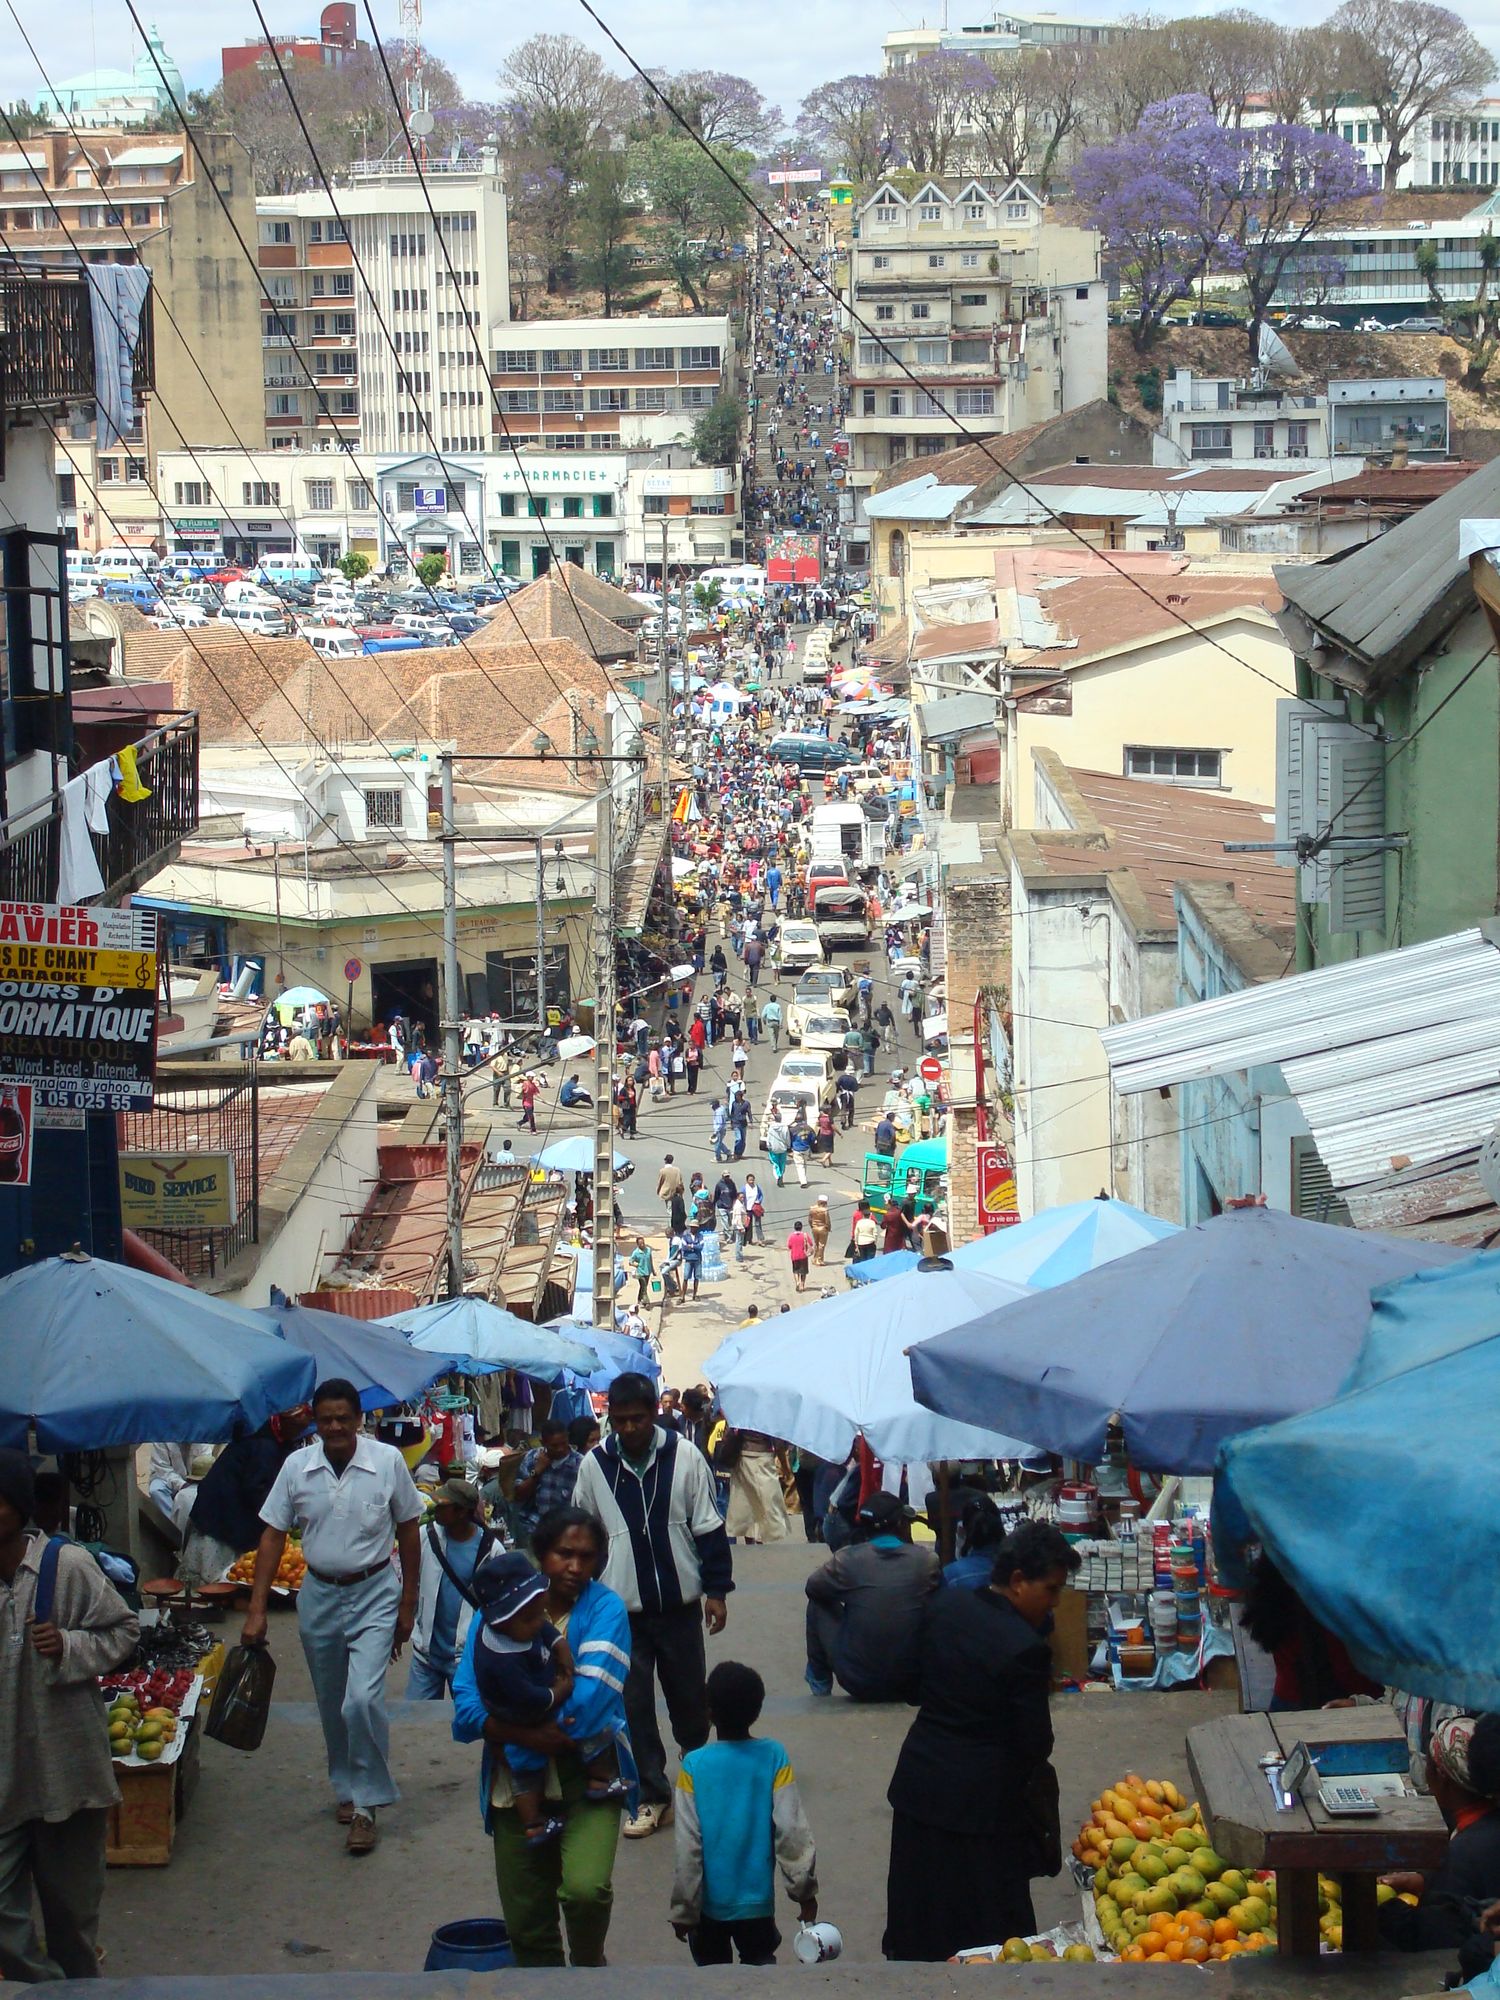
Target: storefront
(427, 507)
(571, 503)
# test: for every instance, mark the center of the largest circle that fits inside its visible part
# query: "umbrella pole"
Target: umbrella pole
(945, 1534)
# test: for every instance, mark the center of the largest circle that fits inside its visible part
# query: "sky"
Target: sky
(786, 47)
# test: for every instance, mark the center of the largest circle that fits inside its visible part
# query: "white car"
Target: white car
(799, 944)
(802, 1066)
(823, 986)
(176, 614)
(817, 1027)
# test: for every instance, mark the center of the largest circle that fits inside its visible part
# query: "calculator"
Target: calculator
(1338, 1795)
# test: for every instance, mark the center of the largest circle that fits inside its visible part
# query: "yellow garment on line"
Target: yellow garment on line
(130, 787)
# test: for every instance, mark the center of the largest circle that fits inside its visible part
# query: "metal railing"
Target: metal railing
(29, 858)
(47, 340)
(142, 834)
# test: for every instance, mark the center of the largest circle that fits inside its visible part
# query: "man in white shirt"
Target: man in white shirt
(350, 1497)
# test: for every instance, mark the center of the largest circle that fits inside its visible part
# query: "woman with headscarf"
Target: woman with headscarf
(1463, 1775)
(224, 1520)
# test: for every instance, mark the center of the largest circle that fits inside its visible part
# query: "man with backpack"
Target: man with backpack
(62, 1624)
(454, 1544)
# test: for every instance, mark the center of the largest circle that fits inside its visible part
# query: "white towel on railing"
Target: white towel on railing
(98, 783)
(78, 875)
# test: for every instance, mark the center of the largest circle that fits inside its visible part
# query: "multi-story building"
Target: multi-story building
(606, 384)
(245, 63)
(1219, 417)
(1004, 34)
(252, 504)
(997, 310)
(384, 310)
(141, 95)
(1373, 270)
(126, 197)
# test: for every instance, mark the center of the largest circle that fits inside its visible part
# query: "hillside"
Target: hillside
(1212, 350)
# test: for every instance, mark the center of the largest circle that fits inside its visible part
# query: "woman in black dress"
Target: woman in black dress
(973, 1793)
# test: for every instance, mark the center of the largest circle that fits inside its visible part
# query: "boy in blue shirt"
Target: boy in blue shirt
(738, 1817)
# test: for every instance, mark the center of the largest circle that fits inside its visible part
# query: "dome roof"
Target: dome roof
(168, 78)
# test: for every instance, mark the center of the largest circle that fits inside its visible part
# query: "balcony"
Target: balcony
(142, 837)
(47, 341)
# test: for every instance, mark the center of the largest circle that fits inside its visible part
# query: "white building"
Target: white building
(253, 503)
(360, 285)
(1004, 34)
(607, 384)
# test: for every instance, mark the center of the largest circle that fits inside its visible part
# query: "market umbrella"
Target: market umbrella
(1046, 1250)
(487, 1337)
(573, 1155)
(1236, 1322)
(96, 1354)
(618, 1354)
(1375, 1507)
(385, 1369)
(825, 1373)
(286, 1004)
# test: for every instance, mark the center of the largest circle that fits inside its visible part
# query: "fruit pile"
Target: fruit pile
(291, 1571)
(1028, 1951)
(146, 1731)
(1160, 1891)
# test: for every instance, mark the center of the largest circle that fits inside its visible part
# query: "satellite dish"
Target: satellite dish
(1489, 1165)
(1275, 356)
(421, 123)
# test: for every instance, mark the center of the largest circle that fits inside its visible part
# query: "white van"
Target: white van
(288, 567)
(334, 642)
(333, 596)
(256, 621)
(738, 579)
(118, 565)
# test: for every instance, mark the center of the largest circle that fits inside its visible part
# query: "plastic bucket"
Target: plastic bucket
(473, 1944)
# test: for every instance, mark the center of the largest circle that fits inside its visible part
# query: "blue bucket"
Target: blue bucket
(475, 1944)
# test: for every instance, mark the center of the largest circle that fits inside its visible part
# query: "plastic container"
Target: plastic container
(473, 1944)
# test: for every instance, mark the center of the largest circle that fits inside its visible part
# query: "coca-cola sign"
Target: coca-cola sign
(15, 1133)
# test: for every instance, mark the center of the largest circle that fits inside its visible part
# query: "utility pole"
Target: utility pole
(666, 674)
(452, 1080)
(541, 943)
(604, 1050)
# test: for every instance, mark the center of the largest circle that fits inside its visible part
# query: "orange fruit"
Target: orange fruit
(1157, 1958)
(1225, 1929)
(1132, 1955)
(1175, 1949)
(1195, 1951)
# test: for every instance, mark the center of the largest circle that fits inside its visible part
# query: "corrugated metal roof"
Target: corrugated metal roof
(955, 715)
(918, 500)
(1394, 1060)
(1389, 600)
(146, 156)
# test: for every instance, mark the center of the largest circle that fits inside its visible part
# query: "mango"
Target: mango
(1208, 1864)
(1152, 1866)
(1123, 1847)
(1016, 1951)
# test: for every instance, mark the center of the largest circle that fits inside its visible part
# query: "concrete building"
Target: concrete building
(606, 384)
(998, 311)
(1373, 270)
(140, 95)
(243, 64)
(1004, 34)
(253, 503)
(357, 292)
(107, 196)
(1206, 417)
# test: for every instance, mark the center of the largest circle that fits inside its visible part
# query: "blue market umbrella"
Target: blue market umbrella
(825, 1373)
(1045, 1250)
(573, 1155)
(96, 1354)
(385, 1369)
(1375, 1506)
(1234, 1323)
(487, 1337)
(618, 1354)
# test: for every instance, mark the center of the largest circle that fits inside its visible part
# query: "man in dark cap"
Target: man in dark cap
(62, 1624)
(866, 1606)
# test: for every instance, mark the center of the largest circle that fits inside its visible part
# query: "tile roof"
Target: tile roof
(1165, 834)
(546, 610)
(974, 464)
(1103, 608)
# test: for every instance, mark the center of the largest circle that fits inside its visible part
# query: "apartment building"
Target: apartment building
(244, 64)
(1373, 270)
(252, 504)
(373, 318)
(997, 310)
(107, 196)
(607, 384)
(1004, 34)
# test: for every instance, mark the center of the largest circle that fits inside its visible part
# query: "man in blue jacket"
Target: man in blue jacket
(654, 1494)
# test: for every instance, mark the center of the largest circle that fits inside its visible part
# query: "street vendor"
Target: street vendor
(1463, 1775)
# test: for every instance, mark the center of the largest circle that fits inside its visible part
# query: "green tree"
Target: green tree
(602, 228)
(716, 434)
(694, 205)
(431, 571)
(354, 566)
(1475, 323)
(708, 596)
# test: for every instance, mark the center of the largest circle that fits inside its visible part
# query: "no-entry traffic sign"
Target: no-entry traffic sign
(930, 1070)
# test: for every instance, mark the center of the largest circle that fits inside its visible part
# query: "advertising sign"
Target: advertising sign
(997, 1188)
(78, 1006)
(177, 1191)
(793, 176)
(430, 500)
(15, 1133)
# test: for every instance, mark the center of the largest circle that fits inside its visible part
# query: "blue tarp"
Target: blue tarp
(386, 1370)
(488, 1337)
(1045, 1250)
(1379, 1506)
(619, 1354)
(1235, 1323)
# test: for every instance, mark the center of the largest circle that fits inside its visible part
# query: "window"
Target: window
(695, 396)
(604, 359)
(562, 399)
(135, 471)
(609, 399)
(278, 232)
(510, 554)
(515, 361)
(141, 214)
(189, 493)
(1296, 439)
(973, 298)
(279, 326)
(894, 403)
(604, 558)
(518, 402)
(968, 260)
(973, 402)
(561, 360)
(885, 213)
(1081, 292)
(929, 211)
(654, 503)
(572, 506)
(341, 364)
(885, 312)
(342, 285)
(880, 262)
(973, 211)
(651, 399)
(261, 493)
(931, 353)
(604, 506)
(972, 352)
(1212, 441)
(511, 975)
(1018, 211)
(537, 507)
(507, 506)
(1174, 767)
(1265, 440)
(653, 358)
(936, 260)
(284, 406)
(67, 489)
(405, 245)
(699, 357)
(867, 402)
(384, 808)
(320, 496)
(359, 495)
(346, 404)
(920, 309)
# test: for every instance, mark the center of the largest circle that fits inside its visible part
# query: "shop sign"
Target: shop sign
(177, 1191)
(519, 477)
(793, 176)
(78, 1006)
(196, 524)
(430, 500)
(16, 1128)
(997, 1188)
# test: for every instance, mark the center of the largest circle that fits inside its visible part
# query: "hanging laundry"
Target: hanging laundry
(117, 294)
(131, 788)
(78, 875)
(98, 783)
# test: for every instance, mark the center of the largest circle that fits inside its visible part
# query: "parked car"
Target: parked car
(823, 986)
(799, 944)
(256, 621)
(1418, 323)
(1314, 323)
(810, 753)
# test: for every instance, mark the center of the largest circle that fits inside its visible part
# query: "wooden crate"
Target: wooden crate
(142, 1828)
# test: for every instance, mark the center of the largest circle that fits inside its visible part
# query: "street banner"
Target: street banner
(78, 1013)
(15, 1133)
(997, 1188)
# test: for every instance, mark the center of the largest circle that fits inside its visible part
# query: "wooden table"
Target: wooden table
(1249, 1832)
